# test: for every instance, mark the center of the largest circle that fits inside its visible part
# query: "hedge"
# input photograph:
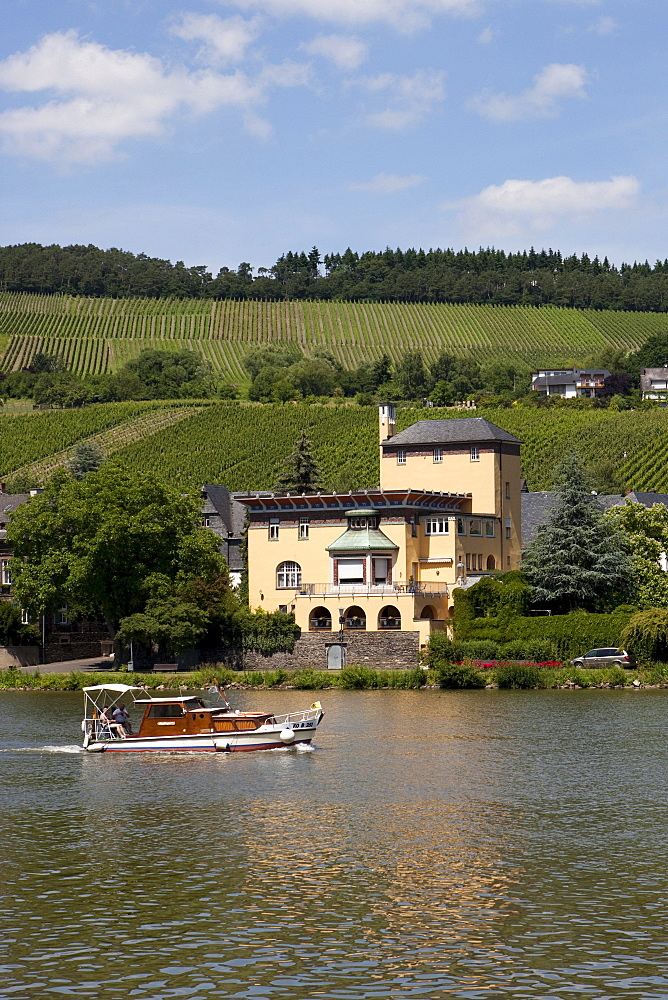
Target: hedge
(570, 634)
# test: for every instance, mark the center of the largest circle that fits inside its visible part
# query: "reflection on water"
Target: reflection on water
(432, 844)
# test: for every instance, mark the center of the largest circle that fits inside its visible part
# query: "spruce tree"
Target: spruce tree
(88, 457)
(301, 472)
(579, 559)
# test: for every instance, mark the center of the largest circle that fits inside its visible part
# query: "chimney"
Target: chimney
(387, 420)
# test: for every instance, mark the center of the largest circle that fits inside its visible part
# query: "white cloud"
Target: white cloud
(387, 183)
(410, 98)
(554, 83)
(405, 15)
(100, 97)
(223, 40)
(604, 26)
(487, 35)
(345, 51)
(521, 208)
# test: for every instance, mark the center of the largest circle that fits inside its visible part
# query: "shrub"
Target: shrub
(528, 649)
(441, 648)
(356, 678)
(646, 634)
(459, 675)
(518, 676)
(311, 680)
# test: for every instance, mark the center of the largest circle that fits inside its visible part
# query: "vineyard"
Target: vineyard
(38, 436)
(242, 446)
(99, 335)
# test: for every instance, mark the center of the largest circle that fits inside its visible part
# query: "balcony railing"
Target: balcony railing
(372, 589)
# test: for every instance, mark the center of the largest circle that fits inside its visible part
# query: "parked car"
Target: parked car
(607, 657)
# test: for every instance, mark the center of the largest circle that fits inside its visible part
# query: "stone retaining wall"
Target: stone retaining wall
(18, 656)
(380, 650)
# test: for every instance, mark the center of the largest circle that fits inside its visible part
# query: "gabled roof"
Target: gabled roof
(460, 430)
(9, 503)
(537, 506)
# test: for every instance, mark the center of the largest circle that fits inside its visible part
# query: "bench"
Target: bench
(165, 668)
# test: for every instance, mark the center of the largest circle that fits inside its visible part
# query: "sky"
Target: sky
(222, 131)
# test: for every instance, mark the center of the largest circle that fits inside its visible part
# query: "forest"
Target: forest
(486, 276)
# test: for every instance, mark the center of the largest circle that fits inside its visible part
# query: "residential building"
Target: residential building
(654, 383)
(223, 515)
(386, 560)
(537, 506)
(569, 383)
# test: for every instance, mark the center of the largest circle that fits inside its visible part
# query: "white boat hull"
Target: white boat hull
(264, 738)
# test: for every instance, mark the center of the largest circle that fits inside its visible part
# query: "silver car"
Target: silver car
(608, 656)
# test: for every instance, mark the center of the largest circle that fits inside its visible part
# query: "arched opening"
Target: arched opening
(320, 620)
(355, 618)
(389, 617)
(288, 576)
(491, 562)
(427, 612)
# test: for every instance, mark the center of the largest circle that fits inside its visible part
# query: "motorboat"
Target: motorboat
(185, 722)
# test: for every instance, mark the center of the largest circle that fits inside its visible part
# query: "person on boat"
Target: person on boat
(122, 717)
(107, 719)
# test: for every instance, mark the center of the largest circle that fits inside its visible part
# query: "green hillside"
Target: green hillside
(97, 335)
(242, 446)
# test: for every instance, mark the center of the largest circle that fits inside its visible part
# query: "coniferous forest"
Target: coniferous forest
(485, 276)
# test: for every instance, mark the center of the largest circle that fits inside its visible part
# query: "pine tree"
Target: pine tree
(88, 457)
(301, 473)
(579, 559)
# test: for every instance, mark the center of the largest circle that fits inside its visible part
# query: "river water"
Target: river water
(432, 844)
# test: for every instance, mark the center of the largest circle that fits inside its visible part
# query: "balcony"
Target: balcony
(372, 589)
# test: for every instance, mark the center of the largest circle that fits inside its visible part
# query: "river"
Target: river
(432, 844)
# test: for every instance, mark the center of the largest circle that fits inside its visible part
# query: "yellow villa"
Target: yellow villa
(382, 563)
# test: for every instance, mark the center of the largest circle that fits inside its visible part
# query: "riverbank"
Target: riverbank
(520, 676)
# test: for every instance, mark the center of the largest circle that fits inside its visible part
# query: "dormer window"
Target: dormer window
(362, 522)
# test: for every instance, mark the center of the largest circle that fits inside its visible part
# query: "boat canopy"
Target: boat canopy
(118, 688)
(175, 698)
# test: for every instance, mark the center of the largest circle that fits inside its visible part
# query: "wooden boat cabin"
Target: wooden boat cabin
(190, 716)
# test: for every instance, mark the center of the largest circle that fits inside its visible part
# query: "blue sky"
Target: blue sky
(218, 132)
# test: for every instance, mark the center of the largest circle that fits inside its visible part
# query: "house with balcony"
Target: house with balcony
(654, 383)
(569, 383)
(384, 561)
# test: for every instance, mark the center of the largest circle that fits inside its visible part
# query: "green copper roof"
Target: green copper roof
(362, 540)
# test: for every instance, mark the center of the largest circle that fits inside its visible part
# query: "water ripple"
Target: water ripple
(431, 845)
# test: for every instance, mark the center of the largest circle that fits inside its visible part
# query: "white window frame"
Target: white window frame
(273, 529)
(475, 520)
(5, 574)
(401, 457)
(303, 529)
(288, 575)
(475, 453)
(206, 521)
(438, 455)
(436, 526)
(25, 617)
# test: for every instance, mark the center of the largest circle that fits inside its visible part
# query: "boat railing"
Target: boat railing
(100, 731)
(290, 717)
